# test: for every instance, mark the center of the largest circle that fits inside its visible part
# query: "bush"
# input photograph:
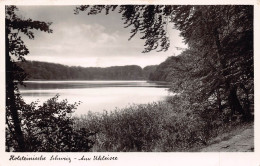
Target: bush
(136, 128)
(49, 128)
(151, 127)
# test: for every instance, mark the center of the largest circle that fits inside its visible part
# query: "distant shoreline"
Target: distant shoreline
(86, 80)
(49, 71)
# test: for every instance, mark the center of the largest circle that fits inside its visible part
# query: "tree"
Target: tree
(50, 127)
(16, 50)
(224, 37)
(221, 37)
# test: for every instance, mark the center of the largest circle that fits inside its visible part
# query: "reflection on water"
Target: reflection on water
(91, 84)
(96, 96)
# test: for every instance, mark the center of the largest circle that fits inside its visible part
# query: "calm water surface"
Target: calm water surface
(96, 96)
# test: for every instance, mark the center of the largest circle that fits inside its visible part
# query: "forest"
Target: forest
(213, 77)
(50, 71)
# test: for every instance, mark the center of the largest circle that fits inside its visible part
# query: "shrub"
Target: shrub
(136, 128)
(150, 127)
(49, 127)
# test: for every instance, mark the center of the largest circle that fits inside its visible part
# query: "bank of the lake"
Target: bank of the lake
(155, 127)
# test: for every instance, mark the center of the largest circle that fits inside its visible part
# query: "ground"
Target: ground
(239, 140)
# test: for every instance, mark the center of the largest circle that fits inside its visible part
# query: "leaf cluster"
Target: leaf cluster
(148, 20)
(50, 127)
(15, 26)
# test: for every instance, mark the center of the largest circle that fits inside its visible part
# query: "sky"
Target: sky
(90, 40)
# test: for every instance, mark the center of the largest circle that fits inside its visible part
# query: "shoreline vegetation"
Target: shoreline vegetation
(155, 127)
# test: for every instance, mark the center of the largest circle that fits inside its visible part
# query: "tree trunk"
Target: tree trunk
(10, 97)
(234, 103)
(248, 115)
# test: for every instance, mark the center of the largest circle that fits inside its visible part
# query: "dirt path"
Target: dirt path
(241, 141)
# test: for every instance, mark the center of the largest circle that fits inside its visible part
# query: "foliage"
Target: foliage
(49, 127)
(163, 126)
(174, 68)
(51, 71)
(189, 75)
(15, 26)
(148, 70)
(222, 38)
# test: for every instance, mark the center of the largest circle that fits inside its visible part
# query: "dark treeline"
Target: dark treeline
(149, 70)
(164, 70)
(174, 68)
(52, 71)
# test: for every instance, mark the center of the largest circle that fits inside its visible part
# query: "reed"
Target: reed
(160, 126)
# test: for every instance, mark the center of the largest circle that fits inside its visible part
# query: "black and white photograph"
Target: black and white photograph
(124, 83)
(129, 78)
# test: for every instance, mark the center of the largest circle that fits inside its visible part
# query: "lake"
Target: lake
(96, 96)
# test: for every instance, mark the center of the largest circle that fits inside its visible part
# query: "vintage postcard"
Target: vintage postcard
(129, 83)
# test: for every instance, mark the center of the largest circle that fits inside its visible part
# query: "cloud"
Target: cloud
(75, 39)
(90, 33)
(97, 40)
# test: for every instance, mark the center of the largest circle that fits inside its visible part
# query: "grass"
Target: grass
(154, 127)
